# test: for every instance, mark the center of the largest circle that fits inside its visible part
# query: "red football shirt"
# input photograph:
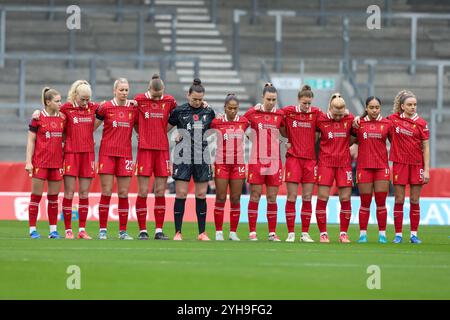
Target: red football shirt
(372, 135)
(48, 150)
(79, 127)
(117, 129)
(301, 131)
(230, 139)
(334, 140)
(153, 120)
(407, 137)
(267, 126)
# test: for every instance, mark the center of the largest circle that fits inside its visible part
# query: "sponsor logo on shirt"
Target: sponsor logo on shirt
(49, 134)
(372, 135)
(299, 124)
(82, 119)
(116, 124)
(403, 131)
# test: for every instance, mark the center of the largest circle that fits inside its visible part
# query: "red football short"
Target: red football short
(404, 174)
(151, 162)
(50, 174)
(80, 165)
(229, 171)
(300, 170)
(118, 166)
(326, 176)
(270, 174)
(365, 175)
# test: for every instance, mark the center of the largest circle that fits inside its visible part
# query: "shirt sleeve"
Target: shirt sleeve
(100, 112)
(173, 118)
(34, 125)
(424, 132)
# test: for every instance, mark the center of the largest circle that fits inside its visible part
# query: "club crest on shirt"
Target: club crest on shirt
(130, 115)
(382, 126)
(163, 106)
(345, 125)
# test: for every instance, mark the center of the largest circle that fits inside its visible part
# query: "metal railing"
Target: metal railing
(117, 11)
(345, 16)
(434, 119)
(163, 61)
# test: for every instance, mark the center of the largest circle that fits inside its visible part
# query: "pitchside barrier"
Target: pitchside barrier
(14, 206)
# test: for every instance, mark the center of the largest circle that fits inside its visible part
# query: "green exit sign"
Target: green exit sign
(320, 84)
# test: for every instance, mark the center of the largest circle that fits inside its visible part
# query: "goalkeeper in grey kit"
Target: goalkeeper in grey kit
(191, 156)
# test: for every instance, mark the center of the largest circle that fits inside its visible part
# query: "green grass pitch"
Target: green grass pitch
(114, 269)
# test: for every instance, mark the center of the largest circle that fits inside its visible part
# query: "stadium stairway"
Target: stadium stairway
(197, 36)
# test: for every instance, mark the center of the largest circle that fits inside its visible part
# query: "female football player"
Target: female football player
(191, 156)
(44, 160)
(229, 166)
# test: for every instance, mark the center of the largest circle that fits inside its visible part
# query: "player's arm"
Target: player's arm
(353, 140)
(97, 123)
(283, 132)
(169, 127)
(317, 136)
(30, 151)
(426, 160)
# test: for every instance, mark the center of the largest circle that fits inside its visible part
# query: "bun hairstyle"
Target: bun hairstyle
(400, 98)
(77, 87)
(156, 83)
(48, 94)
(337, 97)
(268, 87)
(231, 97)
(197, 86)
(367, 103)
(305, 91)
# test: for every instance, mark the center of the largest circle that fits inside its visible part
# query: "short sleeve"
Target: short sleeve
(173, 118)
(100, 112)
(425, 132)
(34, 125)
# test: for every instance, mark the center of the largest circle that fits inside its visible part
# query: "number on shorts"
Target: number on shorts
(421, 174)
(128, 165)
(241, 169)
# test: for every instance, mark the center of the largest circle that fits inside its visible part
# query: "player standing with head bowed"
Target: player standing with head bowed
(153, 157)
(410, 154)
(44, 160)
(265, 165)
(372, 171)
(334, 164)
(229, 166)
(300, 160)
(115, 157)
(191, 156)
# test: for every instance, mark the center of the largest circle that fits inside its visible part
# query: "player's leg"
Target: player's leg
(381, 188)
(141, 206)
(69, 190)
(107, 183)
(323, 193)
(255, 195)
(292, 192)
(37, 187)
(346, 212)
(219, 207)
(200, 208)
(123, 185)
(272, 211)
(235, 206)
(306, 211)
(52, 207)
(400, 173)
(84, 185)
(414, 214)
(160, 207)
(181, 189)
(365, 194)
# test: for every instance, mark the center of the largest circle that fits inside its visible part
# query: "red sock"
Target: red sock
(364, 210)
(33, 209)
(83, 210)
(252, 215)
(67, 212)
(160, 211)
(218, 215)
(52, 209)
(398, 217)
(290, 215)
(123, 213)
(141, 212)
(414, 216)
(103, 211)
(345, 215)
(235, 213)
(306, 213)
(321, 215)
(380, 199)
(272, 210)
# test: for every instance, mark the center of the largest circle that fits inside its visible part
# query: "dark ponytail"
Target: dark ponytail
(305, 91)
(231, 97)
(156, 83)
(268, 87)
(367, 103)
